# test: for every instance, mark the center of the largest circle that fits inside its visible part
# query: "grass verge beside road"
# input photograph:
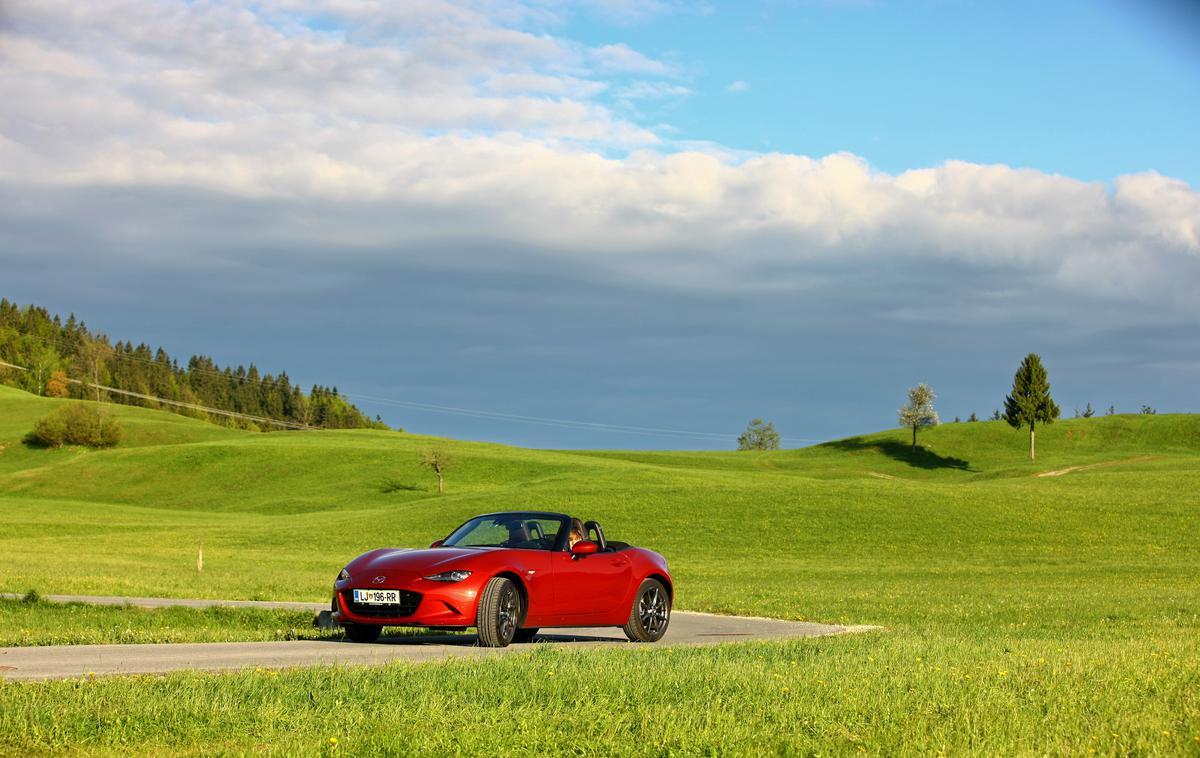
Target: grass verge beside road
(24, 623)
(900, 693)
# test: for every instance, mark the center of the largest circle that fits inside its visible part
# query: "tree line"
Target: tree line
(55, 351)
(1028, 406)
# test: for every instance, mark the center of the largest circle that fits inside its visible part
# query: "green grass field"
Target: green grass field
(1024, 614)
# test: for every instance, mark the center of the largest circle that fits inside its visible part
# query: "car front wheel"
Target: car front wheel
(499, 613)
(650, 614)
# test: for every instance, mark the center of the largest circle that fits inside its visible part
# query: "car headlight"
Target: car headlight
(449, 576)
(343, 575)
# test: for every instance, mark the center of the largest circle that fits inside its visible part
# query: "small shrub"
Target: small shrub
(76, 424)
(32, 597)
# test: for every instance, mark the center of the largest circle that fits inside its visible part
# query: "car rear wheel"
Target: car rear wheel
(499, 613)
(650, 614)
(525, 635)
(363, 632)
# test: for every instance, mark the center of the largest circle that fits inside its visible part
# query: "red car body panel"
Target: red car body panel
(559, 589)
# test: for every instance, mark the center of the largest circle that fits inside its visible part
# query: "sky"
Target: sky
(619, 223)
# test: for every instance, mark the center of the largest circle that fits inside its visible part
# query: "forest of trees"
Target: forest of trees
(55, 351)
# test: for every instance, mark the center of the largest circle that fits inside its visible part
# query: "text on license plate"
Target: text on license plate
(377, 597)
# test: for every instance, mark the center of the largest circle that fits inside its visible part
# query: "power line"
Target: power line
(565, 423)
(413, 405)
(177, 403)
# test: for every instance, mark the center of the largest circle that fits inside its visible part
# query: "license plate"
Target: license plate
(377, 597)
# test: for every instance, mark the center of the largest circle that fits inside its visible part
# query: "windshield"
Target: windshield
(512, 530)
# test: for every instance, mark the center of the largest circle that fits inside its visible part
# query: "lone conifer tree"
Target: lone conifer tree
(759, 435)
(1030, 401)
(919, 412)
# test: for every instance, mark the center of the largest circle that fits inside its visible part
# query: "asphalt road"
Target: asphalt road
(68, 661)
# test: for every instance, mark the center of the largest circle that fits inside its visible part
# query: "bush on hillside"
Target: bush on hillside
(76, 424)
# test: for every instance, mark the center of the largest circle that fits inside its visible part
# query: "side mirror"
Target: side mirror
(436, 543)
(583, 547)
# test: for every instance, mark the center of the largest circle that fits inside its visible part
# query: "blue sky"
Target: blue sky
(1090, 89)
(627, 214)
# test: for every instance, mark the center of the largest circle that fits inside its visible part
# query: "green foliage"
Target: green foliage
(76, 423)
(759, 435)
(47, 345)
(1030, 401)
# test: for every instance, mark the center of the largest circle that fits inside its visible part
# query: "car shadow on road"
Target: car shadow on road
(472, 640)
(900, 451)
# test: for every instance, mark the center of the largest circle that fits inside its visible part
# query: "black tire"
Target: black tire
(499, 612)
(650, 614)
(525, 635)
(363, 632)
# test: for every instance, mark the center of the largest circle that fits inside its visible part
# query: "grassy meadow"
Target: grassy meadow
(1024, 614)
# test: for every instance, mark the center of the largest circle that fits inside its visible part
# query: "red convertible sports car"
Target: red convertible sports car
(508, 575)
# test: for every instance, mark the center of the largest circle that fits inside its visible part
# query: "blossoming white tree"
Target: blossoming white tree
(918, 411)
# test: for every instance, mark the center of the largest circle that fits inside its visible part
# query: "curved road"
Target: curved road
(67, 661)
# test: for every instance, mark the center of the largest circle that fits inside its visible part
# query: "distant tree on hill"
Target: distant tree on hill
(996, 415)
(972, 417)
(1088, 412)
(918, 411)
(58, 386)
(437, 460)
(42, 365)
(93, 356)
(759, 435)
(1148, 411)
(1112, 410)
(1030, 402)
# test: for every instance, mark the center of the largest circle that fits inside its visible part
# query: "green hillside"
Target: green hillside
(1025, 614)
(295, 505)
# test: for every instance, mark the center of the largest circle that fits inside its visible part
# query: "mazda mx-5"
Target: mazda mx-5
(508, 575)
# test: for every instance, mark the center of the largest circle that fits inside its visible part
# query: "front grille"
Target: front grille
(406, 607)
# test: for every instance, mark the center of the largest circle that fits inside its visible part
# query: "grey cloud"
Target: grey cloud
(501, 326)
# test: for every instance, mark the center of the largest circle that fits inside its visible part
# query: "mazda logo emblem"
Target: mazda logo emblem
(379, 579)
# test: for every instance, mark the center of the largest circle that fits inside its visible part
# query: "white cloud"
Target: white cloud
(737, 86)
(643, 90)
(621, 58)
(450, 121)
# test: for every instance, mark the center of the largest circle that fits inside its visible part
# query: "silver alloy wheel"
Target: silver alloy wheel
(509, 610)
(652, 610)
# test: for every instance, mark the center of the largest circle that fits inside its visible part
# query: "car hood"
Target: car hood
(398, 563)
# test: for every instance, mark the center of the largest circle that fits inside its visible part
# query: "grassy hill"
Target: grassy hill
(977, 566)
(296, 505)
